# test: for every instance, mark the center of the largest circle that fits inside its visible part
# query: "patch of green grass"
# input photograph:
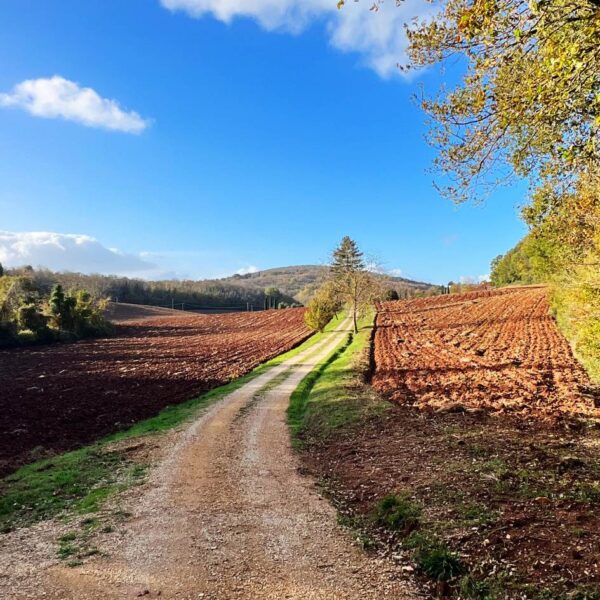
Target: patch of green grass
(434, 557)
(68, 537)
(472, 589)
(66, 550)
(297, 409)
(476, 514)
(477, 451)
(77, 551)
(331, 396)
(89, 523)
(356, 525)
(93, 500)
(581, 592)
(74, 563)
(397, 513)
(589, 493)
(496, 467)
(490, 588)
(47, 487)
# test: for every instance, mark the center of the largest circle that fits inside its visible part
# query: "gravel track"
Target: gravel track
(226, 514)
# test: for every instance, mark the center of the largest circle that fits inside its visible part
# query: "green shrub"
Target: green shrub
(397, 513)
(30, 317)
(78, 313)
(473, 589)
(26, 336)
(439, 563)
(434, 557)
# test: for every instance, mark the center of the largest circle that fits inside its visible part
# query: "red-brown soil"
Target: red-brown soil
(517, 501)
(487, 433)
(498, 350)
(57, 397)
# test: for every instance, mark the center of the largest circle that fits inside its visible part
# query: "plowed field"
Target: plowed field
(54, 398)
(498, 350)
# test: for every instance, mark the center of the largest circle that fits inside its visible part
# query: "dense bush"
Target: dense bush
(28, 316)
(322, 308)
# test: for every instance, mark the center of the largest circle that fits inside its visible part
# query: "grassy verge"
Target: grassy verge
(324, 399)
(80, 481)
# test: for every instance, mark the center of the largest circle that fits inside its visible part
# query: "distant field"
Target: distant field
(122, 311)
(57, 397)
(498, 350)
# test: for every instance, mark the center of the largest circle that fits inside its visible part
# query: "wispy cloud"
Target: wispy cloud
(449, 239)
(377, 35)
(247, 270)
(57, 97)
(85, 254)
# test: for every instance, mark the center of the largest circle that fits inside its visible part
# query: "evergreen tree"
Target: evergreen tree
(57, 301)
(353, 284)
(347, 258)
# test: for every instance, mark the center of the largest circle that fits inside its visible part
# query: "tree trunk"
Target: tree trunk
(354, 319)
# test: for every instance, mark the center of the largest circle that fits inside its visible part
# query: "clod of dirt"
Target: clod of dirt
(570, 463)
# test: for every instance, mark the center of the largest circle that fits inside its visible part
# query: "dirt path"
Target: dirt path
(226, 515)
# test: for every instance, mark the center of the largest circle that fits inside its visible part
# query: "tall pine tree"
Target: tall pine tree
(353, 284)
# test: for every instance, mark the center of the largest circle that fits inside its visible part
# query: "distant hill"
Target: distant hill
(295, 284)
(301, 282)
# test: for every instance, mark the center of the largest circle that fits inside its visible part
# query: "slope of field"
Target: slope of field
(54, 398)
(497, 349)
(118, 312)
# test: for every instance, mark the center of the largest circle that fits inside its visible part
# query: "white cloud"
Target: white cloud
(57, 97)
(69, 252)
(378, 35)
(247, 270)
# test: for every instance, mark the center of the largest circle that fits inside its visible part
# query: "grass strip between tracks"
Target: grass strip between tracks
(80, 481)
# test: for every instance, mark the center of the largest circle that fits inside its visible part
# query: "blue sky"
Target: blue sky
(234, 141)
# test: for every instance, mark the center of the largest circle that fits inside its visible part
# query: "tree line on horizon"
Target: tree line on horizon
(210, 294)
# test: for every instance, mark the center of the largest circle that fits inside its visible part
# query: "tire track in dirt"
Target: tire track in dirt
(227, 515)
